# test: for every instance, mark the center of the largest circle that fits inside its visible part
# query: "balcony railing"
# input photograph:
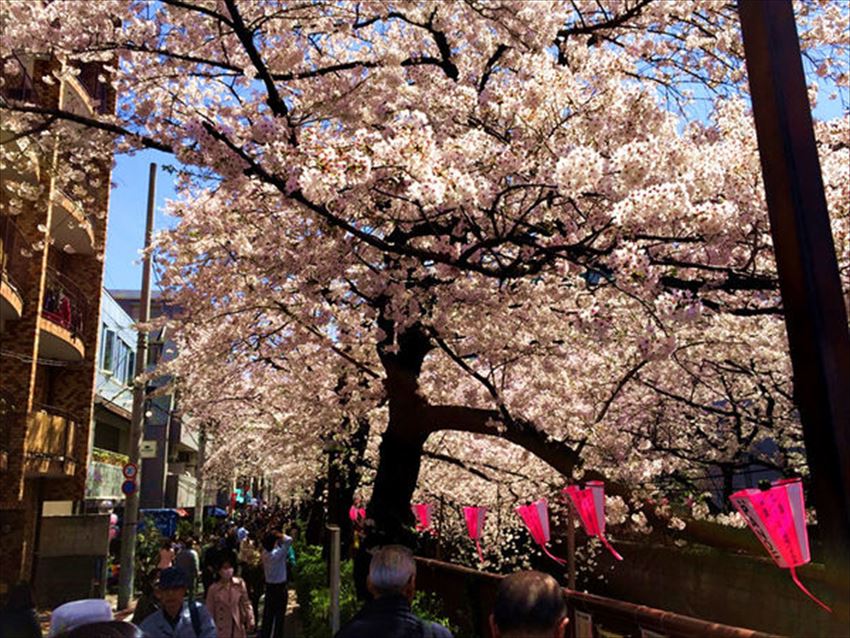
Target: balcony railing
(13, 264)
(104, 480)
(19, 84)
(98, 91)
(64, 303)
(9, 417)
(50, 436)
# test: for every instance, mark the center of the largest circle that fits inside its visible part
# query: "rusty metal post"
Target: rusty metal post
(815, 317)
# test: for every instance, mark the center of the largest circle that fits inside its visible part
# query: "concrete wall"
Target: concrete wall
(71, 561)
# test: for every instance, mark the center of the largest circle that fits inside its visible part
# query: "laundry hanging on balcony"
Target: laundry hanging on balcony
(422, 512)
(777, 517)
(590, 505)
(474, 516)
(536, 519)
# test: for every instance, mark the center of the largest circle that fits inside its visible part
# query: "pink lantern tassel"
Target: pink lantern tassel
(480, 553)
(560, 561)
(613, 551)
(806, 591)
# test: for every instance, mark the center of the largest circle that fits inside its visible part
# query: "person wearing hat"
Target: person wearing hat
(176, 618)
(77, 613)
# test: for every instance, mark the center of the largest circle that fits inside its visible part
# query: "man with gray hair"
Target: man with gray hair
(529, 605)
(392, 582)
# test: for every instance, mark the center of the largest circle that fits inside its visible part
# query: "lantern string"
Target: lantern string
(560, 561)
(610, 548)
(806, 591)
(480, 553)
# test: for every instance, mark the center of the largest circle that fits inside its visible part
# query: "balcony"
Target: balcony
(71, 228)
(9, 416)
(61, 323)
(13, 269)
(105, 474)
(50, 443)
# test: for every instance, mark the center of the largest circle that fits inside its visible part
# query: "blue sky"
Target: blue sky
(127, 207)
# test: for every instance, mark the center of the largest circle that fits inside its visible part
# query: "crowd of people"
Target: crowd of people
(215, 589)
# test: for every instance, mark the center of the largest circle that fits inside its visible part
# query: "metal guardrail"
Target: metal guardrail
(64, 303)
(13, 264)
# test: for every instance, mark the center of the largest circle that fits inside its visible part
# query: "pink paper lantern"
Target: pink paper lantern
(422, 512)
(536, 519)
(778, 518)
(590, 505)
(474, 516)
(356, 513)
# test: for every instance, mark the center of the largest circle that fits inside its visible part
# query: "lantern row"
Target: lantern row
(777, 516)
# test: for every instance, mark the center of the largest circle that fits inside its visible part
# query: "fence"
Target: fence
(470, 596)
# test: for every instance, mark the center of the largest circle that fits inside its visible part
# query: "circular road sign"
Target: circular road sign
(130, 471)
(128, 487)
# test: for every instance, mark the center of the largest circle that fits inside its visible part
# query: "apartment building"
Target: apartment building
(113, 403)
(52, 268)
(169, 472)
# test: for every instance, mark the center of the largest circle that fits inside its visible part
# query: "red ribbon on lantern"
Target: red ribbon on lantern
(422, 512)
(536, 519)
(590, 505)
(778, 518)
(474, 516)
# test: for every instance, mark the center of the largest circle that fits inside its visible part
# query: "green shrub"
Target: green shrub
(311, 586)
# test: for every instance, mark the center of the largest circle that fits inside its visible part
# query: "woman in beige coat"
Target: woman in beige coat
(229, 605)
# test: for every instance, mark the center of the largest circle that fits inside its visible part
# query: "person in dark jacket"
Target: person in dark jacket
(18, 618)
(392, 582)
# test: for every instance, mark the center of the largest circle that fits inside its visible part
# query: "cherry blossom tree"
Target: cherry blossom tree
(540, 224)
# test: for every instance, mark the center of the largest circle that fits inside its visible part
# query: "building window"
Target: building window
(107, 357)
(131, 368)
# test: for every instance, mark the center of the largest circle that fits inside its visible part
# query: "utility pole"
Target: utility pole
(200, 486)
(809, 278)
(131, 503)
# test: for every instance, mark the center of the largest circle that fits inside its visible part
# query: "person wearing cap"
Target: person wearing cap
(176, 618)
(77, 613)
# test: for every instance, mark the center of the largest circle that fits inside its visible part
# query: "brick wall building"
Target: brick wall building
(52, 269)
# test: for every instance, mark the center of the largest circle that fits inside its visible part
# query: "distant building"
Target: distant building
(113, 403)
(51, 260)
(168, 476)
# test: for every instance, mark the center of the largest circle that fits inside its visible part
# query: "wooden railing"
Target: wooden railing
(472, 594)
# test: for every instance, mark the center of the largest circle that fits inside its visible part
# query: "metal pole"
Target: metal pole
(571, 548)
(815, 317)
(131, 503)
(334, 555)
(200, 485)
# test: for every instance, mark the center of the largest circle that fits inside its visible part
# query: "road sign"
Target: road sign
(130, 471)
(147, 450)
(128, 487)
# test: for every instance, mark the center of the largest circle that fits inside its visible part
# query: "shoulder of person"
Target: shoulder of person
(437, 630)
